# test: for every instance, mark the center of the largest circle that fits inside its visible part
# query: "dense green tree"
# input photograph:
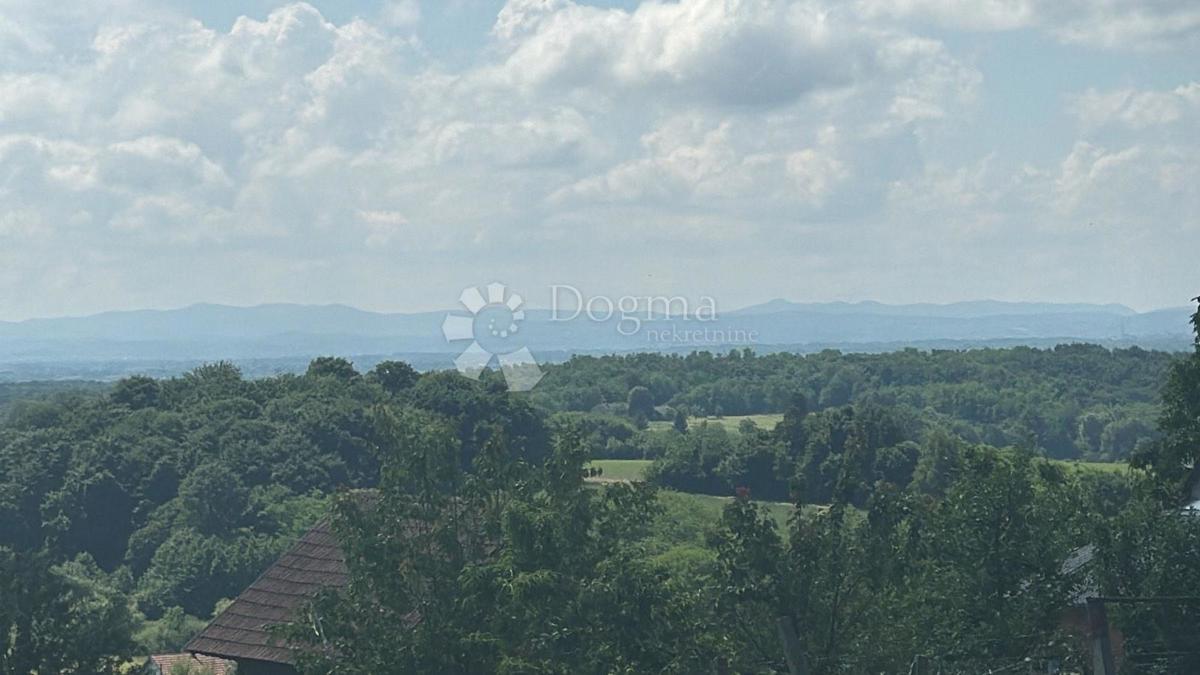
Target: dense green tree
(181, 490)
(994, 396)
(1146, 553)
(332, 366)
(1172, 458)
(478, 562)
(136, 392)
(972, 579)
(212, 499)
(169, 634)
(680, 422)
(394, 376)
(60, 619)
(640, 403)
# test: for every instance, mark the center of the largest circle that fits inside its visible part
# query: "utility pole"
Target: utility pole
(797, 664)
(1102, 656)
(920, 665)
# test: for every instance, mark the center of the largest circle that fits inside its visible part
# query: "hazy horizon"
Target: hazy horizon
(532, 304)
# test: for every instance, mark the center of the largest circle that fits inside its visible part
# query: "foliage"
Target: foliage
(503, 565)
(60, 619)
(185, 489)
(971, 578)
(480, 547)
(169, 633)
(1172, 457)
(1062, 401)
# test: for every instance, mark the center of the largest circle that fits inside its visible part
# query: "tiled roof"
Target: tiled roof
(165, 662)
(1077, 566)
(241, 631)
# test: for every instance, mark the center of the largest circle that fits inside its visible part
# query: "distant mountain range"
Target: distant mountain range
(282, 337)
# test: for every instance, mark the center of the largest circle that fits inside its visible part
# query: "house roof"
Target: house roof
(241, 631)
(165, 662)
(1192, 485)
(1078, 567)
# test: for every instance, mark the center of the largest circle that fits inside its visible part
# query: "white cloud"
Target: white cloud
(1145, 185)
(982, 15)
(1123, 24)
(401, 13)
(690, 160)
(332, 160)
(383, 227)
(1135, 109)
(760, 52)
(1114, 24)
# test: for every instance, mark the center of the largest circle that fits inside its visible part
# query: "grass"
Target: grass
(1099, 467)
(635, 469)
(731, 422)
(770, 420)
(690, 511)
(708, 507)
(687, 515)
(621, 469)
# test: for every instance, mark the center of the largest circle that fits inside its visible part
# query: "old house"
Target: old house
(242, 632)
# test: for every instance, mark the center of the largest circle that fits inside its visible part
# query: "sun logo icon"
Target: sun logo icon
(493, 328)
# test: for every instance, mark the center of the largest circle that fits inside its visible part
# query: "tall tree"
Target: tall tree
(501, 567)
(1173, 458)
(640, 403)
(67, 619)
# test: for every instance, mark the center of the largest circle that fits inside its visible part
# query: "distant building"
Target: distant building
(161, 664)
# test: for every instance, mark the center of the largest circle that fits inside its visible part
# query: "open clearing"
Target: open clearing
(620, 469)
(706, 507)
(730, 422)
(635, 469)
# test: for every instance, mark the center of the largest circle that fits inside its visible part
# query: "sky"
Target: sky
(387, 154)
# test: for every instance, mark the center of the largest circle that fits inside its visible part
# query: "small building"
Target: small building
(241, 633)
(162, 664)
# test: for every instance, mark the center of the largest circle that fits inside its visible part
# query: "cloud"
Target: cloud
(1143, 184)
(759, 53)
(401, 13)
(1122, 24)
(1110, 24)
(147, 156)
(1135, 109)
(692, 160)
(984, 15)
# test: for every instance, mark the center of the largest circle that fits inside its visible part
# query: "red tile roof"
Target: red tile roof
(165, 662)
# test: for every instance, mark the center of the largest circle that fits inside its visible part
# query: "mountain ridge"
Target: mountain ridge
(117, 340)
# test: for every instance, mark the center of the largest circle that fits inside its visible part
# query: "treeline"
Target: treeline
(1072, 401)
(124, 514)
(127, 514)
(514, 565)
(511, 566)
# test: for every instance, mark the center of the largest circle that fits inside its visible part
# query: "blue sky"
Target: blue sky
(388, 154)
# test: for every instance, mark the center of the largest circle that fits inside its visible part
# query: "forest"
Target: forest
(1071, 401)
(926, 512)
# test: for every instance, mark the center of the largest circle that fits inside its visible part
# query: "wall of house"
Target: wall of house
(1074, 622)
(249, 667)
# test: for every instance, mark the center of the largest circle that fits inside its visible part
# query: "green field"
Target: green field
(770, 420)
(708, 507)
(702, 509)
(695, 513)
(1102, 467)
(731, 422)
(621, 469)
